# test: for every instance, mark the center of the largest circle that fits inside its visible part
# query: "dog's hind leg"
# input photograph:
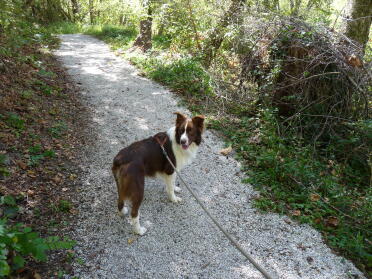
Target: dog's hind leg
(137, 198)
(119, 174)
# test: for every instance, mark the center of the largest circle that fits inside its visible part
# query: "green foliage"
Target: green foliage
(161, 41)
(57, 130)
(18, 243)
(64, 206)
(37, 154)
(294, 180)
(183, 75)
(65, 27)
(27, 94)
(13, 120)
(44, 88)
(3, 169)
(117, 36)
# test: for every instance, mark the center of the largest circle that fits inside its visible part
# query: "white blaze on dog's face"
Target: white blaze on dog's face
(189, 131)
(184, 139)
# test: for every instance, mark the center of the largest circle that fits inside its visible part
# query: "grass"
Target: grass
(294, 180)
(13, 120)
(65, 28)
(58, 129)
(183, 75)
(310, 186)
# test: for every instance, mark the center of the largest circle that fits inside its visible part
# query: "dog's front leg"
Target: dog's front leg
(170, 187)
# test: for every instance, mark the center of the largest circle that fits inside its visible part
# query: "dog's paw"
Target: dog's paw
(177, 189)
(176, 199)
(140, 231)
(123, 212)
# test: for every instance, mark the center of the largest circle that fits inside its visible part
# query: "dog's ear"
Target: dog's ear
(180, 118)
(198, 121)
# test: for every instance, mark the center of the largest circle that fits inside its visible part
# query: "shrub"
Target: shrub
(19, 244)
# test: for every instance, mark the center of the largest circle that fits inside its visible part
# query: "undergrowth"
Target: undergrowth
(295, 180)
(19, 243)
(35, 150)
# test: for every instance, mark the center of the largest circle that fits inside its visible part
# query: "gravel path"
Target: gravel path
(181, 241)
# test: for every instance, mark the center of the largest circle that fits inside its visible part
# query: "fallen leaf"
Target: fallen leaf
(256, 139)
(31, 173)
(22, 165)
(130, 240)
(314, 197)
(332, 221)
(354, 61)
(296, 213)
(56, 179)
(226, 151)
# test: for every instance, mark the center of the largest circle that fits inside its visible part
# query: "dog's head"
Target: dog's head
(188, 130)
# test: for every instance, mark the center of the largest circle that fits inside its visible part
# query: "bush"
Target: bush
(19, 244)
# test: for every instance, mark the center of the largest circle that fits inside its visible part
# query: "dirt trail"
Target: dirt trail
(181, 241)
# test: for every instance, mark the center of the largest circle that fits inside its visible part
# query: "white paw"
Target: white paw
(140, 230)
(123, 212)
(176, 199)
(177, 189)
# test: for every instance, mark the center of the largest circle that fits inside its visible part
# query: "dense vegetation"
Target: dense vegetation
(37, 140)
(279, 79)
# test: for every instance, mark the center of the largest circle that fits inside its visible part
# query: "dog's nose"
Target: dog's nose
(183, 141)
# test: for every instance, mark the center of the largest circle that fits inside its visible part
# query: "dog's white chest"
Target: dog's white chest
(184, 157)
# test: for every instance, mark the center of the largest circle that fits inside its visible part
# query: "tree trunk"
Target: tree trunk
(358, 23)
(144, 41)
(122, 19)
(216, 37)
(295, 7)
(192, 19)
(75, 9)
(91, 12)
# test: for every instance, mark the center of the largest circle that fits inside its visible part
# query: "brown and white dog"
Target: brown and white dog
(145, 158)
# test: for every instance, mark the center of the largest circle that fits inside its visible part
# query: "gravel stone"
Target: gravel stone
(181, 241)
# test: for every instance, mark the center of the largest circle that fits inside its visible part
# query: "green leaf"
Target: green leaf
(11, 211)
(8, 200)
(4, 268)
(18, 262)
